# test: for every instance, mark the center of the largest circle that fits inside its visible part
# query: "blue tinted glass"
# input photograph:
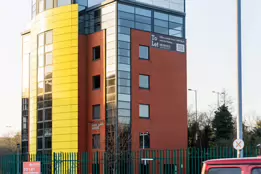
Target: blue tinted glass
(143, 19)
(124, 60)
(176, 19)
(162, 16)
(141, 26)
(125, 45)
(126, 23)
(124, 37)
(126, 8)
(143, 12)
(123, 52)
(161, 23)
(161, 30)
(124, 15)
(124, 30)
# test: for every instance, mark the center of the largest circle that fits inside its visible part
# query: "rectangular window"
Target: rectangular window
(41, 6)
(49, 37)
(48, 142)
(144, 140)
(48, 4)
(144, 81)
(64, 2)
(96, 53)
(96, 82)
(225, 171)
(96, 141)
(144, 110)
(144, 52)
(96, 112)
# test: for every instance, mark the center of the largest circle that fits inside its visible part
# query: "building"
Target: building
(103, 75)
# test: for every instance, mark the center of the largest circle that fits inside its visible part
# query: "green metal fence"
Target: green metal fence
(187, 161)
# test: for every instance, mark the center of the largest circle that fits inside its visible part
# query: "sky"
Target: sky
(211, 55)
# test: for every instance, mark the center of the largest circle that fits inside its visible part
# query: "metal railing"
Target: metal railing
(187, 161)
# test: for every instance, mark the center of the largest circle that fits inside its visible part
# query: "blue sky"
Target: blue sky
(211, 38)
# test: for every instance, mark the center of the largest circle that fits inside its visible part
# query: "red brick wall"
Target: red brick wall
(87, 96)
(167, 95)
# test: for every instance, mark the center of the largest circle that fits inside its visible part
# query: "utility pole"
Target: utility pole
(239, 66)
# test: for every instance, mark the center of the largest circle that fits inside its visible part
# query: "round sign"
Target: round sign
(238, 144)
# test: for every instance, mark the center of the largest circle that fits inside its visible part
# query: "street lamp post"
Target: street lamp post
(196, 107)
(239, 66)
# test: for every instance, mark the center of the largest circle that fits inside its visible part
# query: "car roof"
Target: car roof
(227, 161)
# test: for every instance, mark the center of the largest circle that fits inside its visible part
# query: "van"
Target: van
(232, 166)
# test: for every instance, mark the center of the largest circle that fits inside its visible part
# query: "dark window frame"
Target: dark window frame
(94, 145)
(148, 111)
(94, 84)
(141, 140)
(142, 58)
(94, 114)
(94, 58)
(148, 81)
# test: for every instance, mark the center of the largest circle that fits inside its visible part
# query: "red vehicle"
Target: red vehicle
(232, 166)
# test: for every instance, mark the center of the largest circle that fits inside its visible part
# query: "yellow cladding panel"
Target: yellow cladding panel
(65, 109)
(66, 44)
(66, 65)
(65, 101)
(66, 87)
(63, 21)
(65, 116)
(67, 79)
(65, 72)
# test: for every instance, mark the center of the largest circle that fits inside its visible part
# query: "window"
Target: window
(64, 2)
(144, 81)
(96, 112)
(225, 171)
(256, 171)
(96, 53)
(96, 141)
(144, 140)
(48, 4)
(41, 6)
(144, 111)
(96, 82)
(144, 52)
(48, 142)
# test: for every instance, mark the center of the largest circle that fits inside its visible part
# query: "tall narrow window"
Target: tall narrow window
(144, 140)
(96, 53)
(96, 112)
(96, 82)
(41, 6)
(96, 141)
(44, 98)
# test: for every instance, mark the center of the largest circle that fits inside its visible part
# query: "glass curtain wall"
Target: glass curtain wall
(25, 92)
(44, 93)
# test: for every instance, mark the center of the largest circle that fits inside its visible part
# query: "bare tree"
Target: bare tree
(11, 140)
(118, 152)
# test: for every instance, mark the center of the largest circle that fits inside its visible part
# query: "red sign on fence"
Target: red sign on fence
(31, 167)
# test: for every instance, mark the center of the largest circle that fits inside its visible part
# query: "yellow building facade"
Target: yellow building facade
(62, 24)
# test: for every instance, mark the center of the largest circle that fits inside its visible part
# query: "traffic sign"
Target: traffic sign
(238, 144)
